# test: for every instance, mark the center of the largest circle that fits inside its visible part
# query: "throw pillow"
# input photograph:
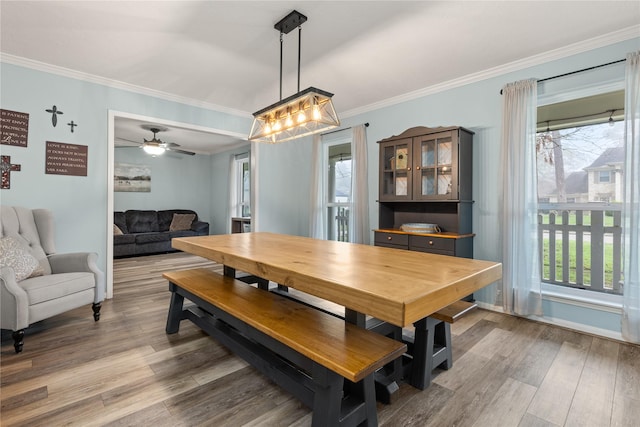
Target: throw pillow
(117, 231)
(181, 222)
(14, 255)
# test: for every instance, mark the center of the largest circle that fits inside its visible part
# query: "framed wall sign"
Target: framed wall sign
(66, 159)
(14, 128)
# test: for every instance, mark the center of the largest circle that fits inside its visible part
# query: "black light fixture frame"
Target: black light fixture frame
(285, 26)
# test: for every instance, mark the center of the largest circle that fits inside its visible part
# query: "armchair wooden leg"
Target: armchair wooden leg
(96, 310)
(18, 340)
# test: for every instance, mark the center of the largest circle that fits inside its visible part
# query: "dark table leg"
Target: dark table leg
(385, 383)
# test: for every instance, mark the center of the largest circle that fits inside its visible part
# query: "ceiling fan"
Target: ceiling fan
(155, 146)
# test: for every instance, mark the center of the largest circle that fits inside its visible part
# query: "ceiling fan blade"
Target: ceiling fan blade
(175, 150)
(128, 140)
(171, 144)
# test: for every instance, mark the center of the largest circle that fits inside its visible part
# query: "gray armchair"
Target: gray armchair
(60, 282)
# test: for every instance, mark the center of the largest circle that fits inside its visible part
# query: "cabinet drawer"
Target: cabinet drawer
(391, 239)
(432, 244)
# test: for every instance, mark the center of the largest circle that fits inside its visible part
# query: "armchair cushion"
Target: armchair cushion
(56, 286)
(16, 256)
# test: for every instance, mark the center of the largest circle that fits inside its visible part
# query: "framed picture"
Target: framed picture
(132, 178)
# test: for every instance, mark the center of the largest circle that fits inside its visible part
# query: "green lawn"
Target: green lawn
(608, 262)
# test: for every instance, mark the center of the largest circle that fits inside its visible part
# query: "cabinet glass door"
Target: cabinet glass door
(395, 172)
(435, 179)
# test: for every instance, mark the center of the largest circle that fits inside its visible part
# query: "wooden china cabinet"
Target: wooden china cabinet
(425, 177)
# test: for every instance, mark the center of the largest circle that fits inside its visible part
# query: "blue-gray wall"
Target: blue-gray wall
(284, 170)
(79, 204)
(177, 182)
(476, 106)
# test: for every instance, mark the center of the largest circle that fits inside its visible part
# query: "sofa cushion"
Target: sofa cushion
(123, 239)
(166, 217)
(120, 220)
(54, 286)
(181, 222)
(141, 221)
(181, 233)
(142, 238)
(14, 255)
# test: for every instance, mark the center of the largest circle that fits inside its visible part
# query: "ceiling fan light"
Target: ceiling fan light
(154, 150)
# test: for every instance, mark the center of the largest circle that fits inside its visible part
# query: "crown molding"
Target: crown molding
(78, 75)
(573, 49)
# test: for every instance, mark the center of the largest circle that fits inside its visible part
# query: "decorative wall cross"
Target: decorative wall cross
(6, 167)
(54, 114)
(72, 125)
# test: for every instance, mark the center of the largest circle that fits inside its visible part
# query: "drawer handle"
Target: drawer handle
(388, 237)
(431, 242)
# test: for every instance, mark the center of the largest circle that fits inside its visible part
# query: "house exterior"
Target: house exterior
(605, 176)
(601, 181)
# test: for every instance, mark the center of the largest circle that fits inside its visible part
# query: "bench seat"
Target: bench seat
(260, 326)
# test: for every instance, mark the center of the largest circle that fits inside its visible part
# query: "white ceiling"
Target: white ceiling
(226, 53)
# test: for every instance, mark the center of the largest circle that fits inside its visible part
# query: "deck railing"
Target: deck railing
(580, 245)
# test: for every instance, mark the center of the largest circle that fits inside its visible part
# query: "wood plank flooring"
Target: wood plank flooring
(125, 371)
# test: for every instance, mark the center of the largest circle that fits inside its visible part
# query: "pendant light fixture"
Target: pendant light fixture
(304, 113)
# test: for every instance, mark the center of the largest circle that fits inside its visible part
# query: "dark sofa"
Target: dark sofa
(147, 232)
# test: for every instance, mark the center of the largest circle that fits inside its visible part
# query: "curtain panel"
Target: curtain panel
(631, 205)
(520, 257)
(359, 231)
(232, 205)
(317, 223)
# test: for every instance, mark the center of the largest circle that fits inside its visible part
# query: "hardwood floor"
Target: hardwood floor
(125, 371)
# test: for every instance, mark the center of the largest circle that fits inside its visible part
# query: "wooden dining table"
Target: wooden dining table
(399, 287)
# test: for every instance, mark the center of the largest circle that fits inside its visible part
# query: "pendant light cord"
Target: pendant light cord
(280, 65)
(299, 52)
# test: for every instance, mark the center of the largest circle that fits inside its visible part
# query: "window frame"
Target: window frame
(329, 205)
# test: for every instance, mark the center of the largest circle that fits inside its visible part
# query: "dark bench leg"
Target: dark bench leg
(327, 400)
(175, 311)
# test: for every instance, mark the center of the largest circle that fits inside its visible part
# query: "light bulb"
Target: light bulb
(154, 150)
(267, 128)
(301, 117)
(288, 121)
(316, 112)
(277, 126)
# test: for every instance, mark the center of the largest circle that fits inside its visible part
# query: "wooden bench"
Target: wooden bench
(433, 335)
(321, 351)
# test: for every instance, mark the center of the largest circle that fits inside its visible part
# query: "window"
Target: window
(579, 211)
(337, 159)
(243, 186)
(604, 176)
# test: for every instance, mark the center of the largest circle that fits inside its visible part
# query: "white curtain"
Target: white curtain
(631, 207)
(317, 223)
(520, 257)
(232, 206)
(359, 231)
